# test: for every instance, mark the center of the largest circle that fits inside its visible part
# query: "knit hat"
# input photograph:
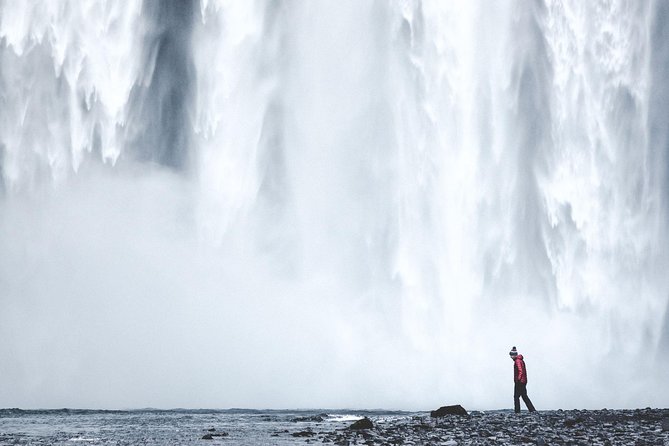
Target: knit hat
(513, 352)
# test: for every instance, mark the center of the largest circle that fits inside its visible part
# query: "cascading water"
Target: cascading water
(362, 204)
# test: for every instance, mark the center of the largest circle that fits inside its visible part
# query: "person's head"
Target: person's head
(513, 353)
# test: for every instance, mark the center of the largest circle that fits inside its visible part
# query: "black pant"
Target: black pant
(521, 390)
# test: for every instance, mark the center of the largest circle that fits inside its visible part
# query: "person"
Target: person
(520, 382)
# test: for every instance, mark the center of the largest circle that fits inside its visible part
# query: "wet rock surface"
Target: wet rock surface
(573, 427)
(280, 428)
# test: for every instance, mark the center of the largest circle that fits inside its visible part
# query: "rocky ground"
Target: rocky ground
(574, 427)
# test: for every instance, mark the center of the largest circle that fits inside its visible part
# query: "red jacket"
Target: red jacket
(519, 370)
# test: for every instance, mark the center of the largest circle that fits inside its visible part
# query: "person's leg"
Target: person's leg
(526, 399)
(516, 397)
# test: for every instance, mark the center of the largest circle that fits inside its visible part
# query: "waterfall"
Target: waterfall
(372, 199)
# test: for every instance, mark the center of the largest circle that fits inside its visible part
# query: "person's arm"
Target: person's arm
(519, 371)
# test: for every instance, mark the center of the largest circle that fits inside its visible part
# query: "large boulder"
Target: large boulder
(365, 423)
(449, 410)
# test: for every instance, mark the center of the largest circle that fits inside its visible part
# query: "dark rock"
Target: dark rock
(448, 410)
(303, 434)
(665, 424)
(220, 434)
(571, 422)
(364, 423)
(315, 419)
(214, 434)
